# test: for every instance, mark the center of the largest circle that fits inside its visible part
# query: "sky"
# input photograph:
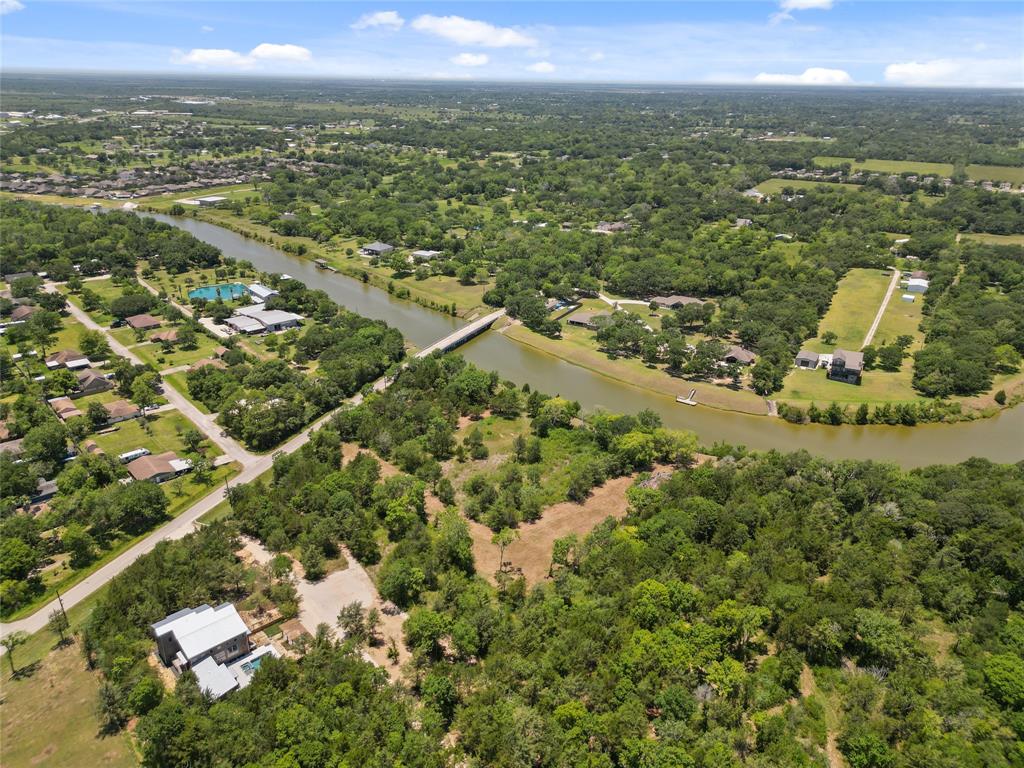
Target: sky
(774, 42)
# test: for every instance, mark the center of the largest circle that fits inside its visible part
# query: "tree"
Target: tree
(63, 381)
(10, 642)
(503, 539)
(193, 439)
(351, 619)
(143, 394)
(58, 624)
(46, 444)
(1004, 676)
(79, 543)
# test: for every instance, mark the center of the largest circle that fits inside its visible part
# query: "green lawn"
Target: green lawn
(177, 380)
(1009, 173)
(994, 239)
(49, 716)
(154, 352)
(163, 434)
(852, 310)
(974, 171)
(889, 166)
(803, 387)
(900, 318)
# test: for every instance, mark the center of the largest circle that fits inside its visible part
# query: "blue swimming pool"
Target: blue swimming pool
(224, 291)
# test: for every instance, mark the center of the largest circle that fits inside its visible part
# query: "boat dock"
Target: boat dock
(690, 399)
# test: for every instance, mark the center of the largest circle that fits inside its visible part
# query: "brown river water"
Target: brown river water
(1000, 438)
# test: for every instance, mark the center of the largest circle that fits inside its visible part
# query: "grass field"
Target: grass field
(976, 172)
(994, 239)
(900, 318)
(49, 717)
(154, 353)
(803, 387)
(853, 308)
(888, 166)
(163, 434)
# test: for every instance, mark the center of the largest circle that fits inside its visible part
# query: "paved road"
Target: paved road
(896, 274)
(205, 421)
(253, 466)
(174, 529)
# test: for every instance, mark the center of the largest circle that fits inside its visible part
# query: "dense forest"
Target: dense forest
(753, 610)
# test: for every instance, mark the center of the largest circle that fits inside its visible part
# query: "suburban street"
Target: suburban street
(253, 465)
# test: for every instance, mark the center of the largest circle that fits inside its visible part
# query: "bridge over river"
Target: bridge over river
(462, 335)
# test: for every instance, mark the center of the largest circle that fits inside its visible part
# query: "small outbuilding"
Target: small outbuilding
(807, 359)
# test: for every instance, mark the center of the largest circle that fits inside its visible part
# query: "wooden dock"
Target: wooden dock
(690, 399)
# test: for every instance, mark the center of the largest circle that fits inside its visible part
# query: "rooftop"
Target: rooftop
(197, 630)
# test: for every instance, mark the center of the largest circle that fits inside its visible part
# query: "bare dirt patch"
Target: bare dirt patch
(532, 551)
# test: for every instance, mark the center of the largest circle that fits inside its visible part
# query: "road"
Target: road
(180, 526)
(896, 274)
(253, 465)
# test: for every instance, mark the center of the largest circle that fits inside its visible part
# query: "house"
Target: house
(158, 468)
(610, 227)
(807, 359)
(121, 410)
(143, 322)
(17, 276)
(260, 292)
(846, 366)
(425, 255)
(190, 635)
(916, 285)
(23, 312)
(208, 362)
(244, 324)
(919, 274)
(65, 408)
(67, 358)
(671, 302)
(170, 336)
(220, 679)
(277, 319)
(587, 319)
(209, 200)
(736, 354)
(754, 194)
(376, 248)
(91, 382)
(12, 447)
(740, 223)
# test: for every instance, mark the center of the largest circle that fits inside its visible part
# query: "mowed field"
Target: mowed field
(49, 718)
(853, 308)
(984, 237)
(975, 171)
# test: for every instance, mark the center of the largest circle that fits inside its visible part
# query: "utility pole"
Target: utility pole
(60, 601)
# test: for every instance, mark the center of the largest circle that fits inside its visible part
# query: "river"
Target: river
(1000, 438)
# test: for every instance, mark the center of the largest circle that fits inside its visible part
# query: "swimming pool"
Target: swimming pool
(225, 291)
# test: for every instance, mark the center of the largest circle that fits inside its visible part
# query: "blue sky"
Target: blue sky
(788, 42)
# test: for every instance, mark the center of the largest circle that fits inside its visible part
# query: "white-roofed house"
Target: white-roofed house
(187, 637)
(260, 292)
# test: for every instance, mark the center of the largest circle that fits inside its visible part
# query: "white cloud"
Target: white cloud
(543, 67)
(470, 32)
(214, 57)
(596, 56)
(280, 52)
(10, 6)
(206, 29)
(787, 6)
(978, 73)
(389, 19)
(225, 58)
(810, 76)
(805, 5)
(470, 59)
